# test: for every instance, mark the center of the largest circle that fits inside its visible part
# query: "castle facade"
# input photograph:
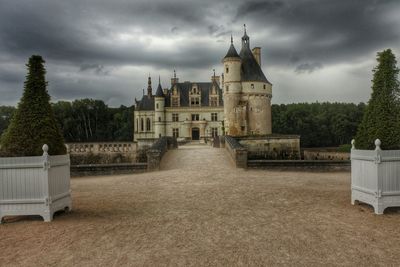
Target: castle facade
(238, 103)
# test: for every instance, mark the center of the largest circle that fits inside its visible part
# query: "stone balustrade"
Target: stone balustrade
(103, 147)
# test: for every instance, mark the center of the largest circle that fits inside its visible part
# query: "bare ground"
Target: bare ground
(201, 211)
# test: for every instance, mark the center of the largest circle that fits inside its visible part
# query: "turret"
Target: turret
(159, 108)
(232, 89)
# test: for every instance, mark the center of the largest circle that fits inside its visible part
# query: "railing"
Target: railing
(102, 147)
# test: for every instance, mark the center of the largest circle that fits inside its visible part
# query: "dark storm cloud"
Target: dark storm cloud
(324, 31)
(308, 67)
(104, 49)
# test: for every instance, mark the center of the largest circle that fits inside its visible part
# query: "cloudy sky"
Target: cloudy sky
(312, 50)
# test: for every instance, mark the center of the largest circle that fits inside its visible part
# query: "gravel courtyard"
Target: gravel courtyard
(200, 211)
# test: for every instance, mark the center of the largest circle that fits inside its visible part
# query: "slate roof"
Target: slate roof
(184, 91)
(147, 103)
(159, 92)
(250, 70)
(232, 52)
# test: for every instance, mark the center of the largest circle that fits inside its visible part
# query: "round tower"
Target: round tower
(159, 112)
(232, 89)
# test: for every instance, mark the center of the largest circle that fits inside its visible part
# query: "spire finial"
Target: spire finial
(214, 73)
(159, 79)
(143, 91)
(174, 73)
(244, 26)
(231, 39)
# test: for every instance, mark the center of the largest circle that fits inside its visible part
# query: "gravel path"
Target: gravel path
(200, 211)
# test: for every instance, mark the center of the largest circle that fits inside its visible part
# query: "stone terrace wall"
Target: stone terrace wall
(318, 154)
(237, 152)
(102, 153)
(272, 146)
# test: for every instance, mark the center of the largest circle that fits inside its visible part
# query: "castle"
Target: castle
(238, 103)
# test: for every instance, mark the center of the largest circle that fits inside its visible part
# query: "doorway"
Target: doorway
(195, 133)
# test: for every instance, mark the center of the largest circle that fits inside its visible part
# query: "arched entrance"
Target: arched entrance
(195, 133)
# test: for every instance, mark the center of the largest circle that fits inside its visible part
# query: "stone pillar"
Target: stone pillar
(153, 160)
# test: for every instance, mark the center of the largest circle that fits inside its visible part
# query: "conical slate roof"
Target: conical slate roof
(232, 52)
(159, 92)
(250, 70)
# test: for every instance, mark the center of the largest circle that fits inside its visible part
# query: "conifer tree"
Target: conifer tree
(382, 116)
(33, 123)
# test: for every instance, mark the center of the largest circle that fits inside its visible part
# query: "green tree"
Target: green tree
(33, 123)
(382, 116)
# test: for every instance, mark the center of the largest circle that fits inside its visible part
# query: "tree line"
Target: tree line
(86, 120)
(319, 124)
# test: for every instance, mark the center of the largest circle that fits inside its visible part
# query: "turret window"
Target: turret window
(226, 69)
(227, 88)
(252, 86)
(141, 125)
(264, 86)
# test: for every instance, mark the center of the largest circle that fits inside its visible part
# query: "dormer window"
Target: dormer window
(195, 101)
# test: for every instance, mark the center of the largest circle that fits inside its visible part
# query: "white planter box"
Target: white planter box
(35, 185)
(375, 177)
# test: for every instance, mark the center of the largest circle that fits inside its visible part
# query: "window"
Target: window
(137, 125)
(175, 101)
(159, 119)
(264, 86)
(157, 105)
(175, 132)
(227, 88)
(214, 116)
(175, 117)
(214, 132)
(214, 101)
(252, 86)
(148, 125)
(227, 69)
(195, 117)
(141, 125)
(195, 101)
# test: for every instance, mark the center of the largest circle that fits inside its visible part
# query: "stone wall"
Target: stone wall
(325, 154)
(102, 153)
(272, 146)
(237, 152)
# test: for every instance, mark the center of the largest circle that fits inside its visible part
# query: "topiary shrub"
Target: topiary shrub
(33, 123)
(382, 115)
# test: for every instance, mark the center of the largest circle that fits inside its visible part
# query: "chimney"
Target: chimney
(257, 54)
